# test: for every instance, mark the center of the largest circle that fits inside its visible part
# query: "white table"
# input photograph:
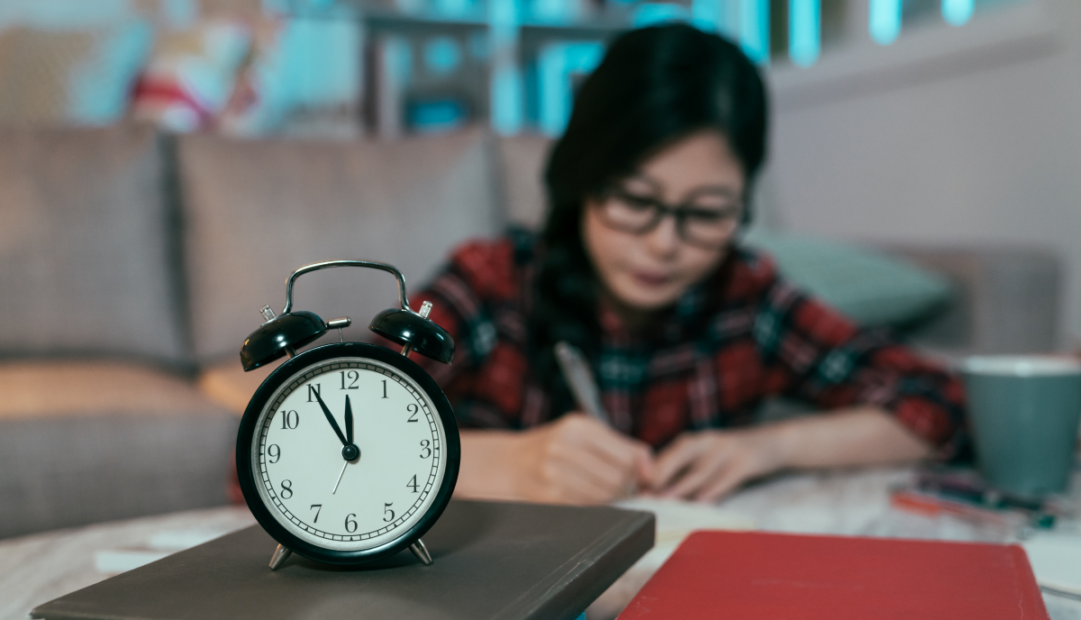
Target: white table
(38, 568)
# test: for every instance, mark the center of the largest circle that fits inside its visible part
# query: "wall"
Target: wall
(949, 136)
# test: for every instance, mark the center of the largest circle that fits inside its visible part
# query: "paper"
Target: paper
(676, 520)
(1056, 560)
(115, 561)
(160, 545)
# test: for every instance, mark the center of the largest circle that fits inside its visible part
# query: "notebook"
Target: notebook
(492, 560)
(745, 575)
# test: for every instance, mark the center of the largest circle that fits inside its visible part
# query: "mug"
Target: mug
(1024, 412)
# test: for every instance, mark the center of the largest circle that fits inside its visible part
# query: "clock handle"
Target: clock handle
(281, 554)
(403, 325)
(421, 552)
(345, 262)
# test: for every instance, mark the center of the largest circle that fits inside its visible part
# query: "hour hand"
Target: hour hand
(348, 420)
(330, 418)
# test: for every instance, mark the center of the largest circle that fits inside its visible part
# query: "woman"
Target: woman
(639, 267)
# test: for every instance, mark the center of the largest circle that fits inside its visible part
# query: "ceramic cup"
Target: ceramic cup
(1024, 413)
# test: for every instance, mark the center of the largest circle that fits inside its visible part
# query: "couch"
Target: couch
(133, 264)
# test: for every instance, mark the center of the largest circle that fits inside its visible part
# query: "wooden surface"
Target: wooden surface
(38, 568)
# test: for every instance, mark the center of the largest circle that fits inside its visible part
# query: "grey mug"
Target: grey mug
(1024, 413)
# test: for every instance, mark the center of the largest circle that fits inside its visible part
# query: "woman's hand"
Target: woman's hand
(707, 465)
(578, 460)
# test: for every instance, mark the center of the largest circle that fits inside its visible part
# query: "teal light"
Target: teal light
(507, 100)
(958, 12)
(653, 13)
(754, 29)
(506, 96)
(885, 22)
(804, 31)
(442, 55)
(558, 63)
(706, 15)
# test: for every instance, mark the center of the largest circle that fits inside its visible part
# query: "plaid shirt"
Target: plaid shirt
(765, 339)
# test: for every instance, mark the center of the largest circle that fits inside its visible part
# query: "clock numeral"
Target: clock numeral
(425, 445)
(350, 523)
(384, 388)
(412, 484)
(388, 514)
(354, 376)
(318, 508)
(287, 489)
(274, 452)
(314, 391)
(412, 409)
(290, 419)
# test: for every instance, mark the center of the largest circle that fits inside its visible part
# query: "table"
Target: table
(38, 568)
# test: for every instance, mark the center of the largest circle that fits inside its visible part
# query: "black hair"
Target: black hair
(655, 86)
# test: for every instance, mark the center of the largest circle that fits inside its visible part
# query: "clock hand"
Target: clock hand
(335, 491)
(330, 418)
(350, 451)
(348, 420)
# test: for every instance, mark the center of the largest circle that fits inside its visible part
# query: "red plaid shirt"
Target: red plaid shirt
(765, 339)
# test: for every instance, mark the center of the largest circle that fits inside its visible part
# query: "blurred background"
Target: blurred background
(936, 121)
(165, 164)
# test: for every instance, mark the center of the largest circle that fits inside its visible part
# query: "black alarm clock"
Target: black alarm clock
(348, 452)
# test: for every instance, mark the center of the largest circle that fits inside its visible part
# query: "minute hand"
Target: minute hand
(330, 418)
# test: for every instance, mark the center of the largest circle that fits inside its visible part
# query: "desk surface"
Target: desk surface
(38, 568)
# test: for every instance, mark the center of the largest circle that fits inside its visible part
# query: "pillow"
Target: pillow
(87, 261)
(191, 75)
(256, 210)
(870, 287)
(521, 162)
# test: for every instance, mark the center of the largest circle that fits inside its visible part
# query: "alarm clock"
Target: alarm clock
(348, 452)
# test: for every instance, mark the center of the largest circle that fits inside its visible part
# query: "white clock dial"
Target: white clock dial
(300, 461)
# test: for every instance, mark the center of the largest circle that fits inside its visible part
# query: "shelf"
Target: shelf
(382, 19)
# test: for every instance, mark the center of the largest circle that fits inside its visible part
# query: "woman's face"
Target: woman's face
(645, 268)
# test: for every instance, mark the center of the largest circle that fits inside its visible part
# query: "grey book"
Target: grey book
(492, 560)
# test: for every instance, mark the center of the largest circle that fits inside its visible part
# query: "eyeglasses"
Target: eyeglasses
(706, 226)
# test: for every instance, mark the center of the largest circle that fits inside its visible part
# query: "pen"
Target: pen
(929, 505)
(960, 489)
(580, 379)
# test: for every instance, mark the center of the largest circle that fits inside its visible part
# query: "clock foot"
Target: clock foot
(281, 554)
(421, 552)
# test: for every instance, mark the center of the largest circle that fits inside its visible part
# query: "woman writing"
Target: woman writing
(638, 265)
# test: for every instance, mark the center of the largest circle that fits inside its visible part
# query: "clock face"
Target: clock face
(350, 453)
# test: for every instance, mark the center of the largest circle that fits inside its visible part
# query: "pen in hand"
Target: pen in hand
(583, 387)
(580, 380)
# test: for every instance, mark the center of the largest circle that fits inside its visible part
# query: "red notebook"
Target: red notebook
(743, 575)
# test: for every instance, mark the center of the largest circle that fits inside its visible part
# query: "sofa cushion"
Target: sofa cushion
(1008, 299)
(85, 442)
(229, 387)
(85, 246)
(521, 165)
(257, 210)
(869, 286)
